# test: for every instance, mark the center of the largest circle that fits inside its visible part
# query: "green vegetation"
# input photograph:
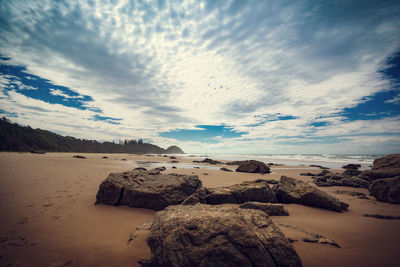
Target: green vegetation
(14, 137)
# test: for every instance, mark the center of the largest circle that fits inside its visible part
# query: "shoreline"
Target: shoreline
(49, 216)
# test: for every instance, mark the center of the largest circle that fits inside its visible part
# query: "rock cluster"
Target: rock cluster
(205, 235)
(327, 178)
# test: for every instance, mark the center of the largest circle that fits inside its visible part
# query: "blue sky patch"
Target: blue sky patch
(204, 133)
(262, 119)
(106, 119)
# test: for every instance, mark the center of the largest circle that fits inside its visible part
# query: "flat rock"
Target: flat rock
(290, 190)
(385, 167)
(146, 189)
(225, 169)
(253, 166)
(205, 235)
(386, 190)
(258, 190)
(272, 209)
(335, 179)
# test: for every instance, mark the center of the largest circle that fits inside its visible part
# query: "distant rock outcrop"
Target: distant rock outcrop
(174, 150)
(205, 235)
(253, 166)
(258, 190)
(146, 189)
(290, 190)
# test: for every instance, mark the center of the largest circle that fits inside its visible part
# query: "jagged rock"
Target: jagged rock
(200, 196)
(225, 170)
(386, 190)
(385, 167)
(79, 157)
(272, 209)
(334, 179)
(146, 189)
(207, 160)
(253, 166)
(204, 235)
(352, 193)
(290, 190)
(258, 190)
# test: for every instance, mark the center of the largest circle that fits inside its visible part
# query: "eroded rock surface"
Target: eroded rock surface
(205, 235)
(385, 167)
(290, 190)
(387, 190)
(272, 209)
(146, 189)
(258, 190)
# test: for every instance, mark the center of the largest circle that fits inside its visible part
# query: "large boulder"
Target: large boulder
(387, 190)
(385, 167)
(258, 190)
(290, 190)
(146, 189)
(205, 235)
(253, 166)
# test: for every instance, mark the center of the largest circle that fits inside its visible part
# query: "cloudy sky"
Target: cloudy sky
(210, 76)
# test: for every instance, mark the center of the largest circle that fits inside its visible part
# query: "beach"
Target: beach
(48, 216)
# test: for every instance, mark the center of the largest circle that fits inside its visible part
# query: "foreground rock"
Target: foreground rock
(290, 190)
(385, 167)
(335, 179)
(204, 235)
(146, 189)
(253, 166)
(272, 209)
(387, 190)
(258, 190)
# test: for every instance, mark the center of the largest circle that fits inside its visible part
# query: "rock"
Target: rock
(146, 189)
(173, 157)
(307, 174)
(37, 152)
(200, 196)
(234, 162)
(351, 172)
(161, 168)
(173, 167)
(352, 193)
(204, 235)
(196, 167)
(386, 190)
(258, 190)
(385, 217)
(225, 170)
(351, 166)
(174, 161)
(253, 166)
(174, 150)
(385, 167)
(123, 159)
(272, 209)
(290, 190)
(319, 166)
(140, 169)
(105, 157)
(207, 160)
(79, 157)
(334, 179)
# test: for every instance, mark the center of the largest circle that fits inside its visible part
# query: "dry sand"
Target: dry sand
(48, 216)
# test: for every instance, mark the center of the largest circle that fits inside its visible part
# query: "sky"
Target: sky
(209, 76)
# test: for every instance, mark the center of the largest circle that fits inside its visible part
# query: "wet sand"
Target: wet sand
(48, 216)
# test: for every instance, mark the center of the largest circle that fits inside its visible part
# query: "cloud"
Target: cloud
(164, 66)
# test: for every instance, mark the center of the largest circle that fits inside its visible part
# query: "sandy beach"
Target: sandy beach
(48, 216)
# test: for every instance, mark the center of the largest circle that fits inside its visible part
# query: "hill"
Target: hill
(14, 137)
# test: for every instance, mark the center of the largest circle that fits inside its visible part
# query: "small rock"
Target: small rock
(79, 157)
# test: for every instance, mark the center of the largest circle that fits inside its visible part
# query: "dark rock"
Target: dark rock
(207, 160)
(334, 179)
(196, 167)
(79, 157)
(225, 170)
(351, 172)
(204, 235)
(37, 152)
(123, 159)
(390, 161)
(174, 161)
(272, 209)
(173, 157)
(199, 196)
(161, 168)
(105, 157)
(307, 174)
(146, 189)
(319, 166)
(352, 193)
(290, 190)
(247, 191)
(234, 162)
(352, 166)
(386, 190)
(253, 166)
(173, 167)
(385, 217)
(140, 169)
(271, 181)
